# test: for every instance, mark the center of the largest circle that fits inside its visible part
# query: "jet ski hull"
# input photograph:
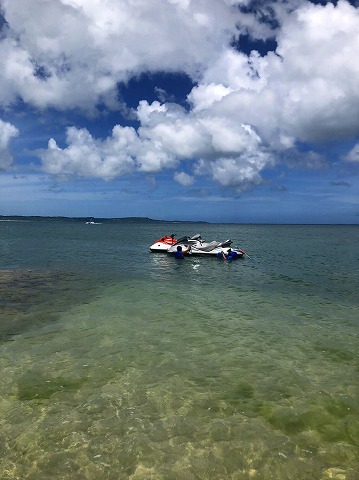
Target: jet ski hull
(212, 253)
(163, 244)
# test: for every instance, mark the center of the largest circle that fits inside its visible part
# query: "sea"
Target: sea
(118, 363)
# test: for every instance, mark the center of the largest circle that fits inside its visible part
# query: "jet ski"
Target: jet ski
(164, 243)
(199, 247)
(218, 250)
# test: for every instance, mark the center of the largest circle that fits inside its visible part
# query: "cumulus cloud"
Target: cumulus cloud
(232, 154)
(7, 132)
(78, 61)
(353, 155)
(183, 178)
(85, 156)
(246, 111)
(305, 91)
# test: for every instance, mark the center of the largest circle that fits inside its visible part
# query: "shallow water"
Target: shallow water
(122, 364)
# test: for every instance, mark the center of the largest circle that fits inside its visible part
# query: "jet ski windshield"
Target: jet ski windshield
(191, 240)
(196, 237)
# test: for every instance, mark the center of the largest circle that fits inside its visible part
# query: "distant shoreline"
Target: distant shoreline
(27, 218)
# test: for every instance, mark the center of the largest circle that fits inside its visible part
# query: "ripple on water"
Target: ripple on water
(125, 386)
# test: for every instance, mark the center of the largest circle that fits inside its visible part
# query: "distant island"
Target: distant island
(97, 219)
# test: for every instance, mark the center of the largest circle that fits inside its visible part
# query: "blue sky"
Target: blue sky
(215, 110)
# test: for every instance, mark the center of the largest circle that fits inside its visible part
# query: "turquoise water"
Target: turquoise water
(118, 363)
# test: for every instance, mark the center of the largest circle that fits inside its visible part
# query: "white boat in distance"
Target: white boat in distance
(198, 247)
(91, 222)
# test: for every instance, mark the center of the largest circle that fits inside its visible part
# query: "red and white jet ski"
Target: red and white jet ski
(163, 244)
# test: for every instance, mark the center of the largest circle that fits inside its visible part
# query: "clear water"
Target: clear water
(117, 363)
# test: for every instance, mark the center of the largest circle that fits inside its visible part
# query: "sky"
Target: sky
(243, 111)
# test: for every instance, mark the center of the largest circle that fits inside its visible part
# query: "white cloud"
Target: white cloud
(7, 132)
(204, 96)
(353, 155)
(231, 172)
(86, 47)
(183, 178)
(319, 72)
(309, 93)
(245, 110)
(85, 156)
(167, 136)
